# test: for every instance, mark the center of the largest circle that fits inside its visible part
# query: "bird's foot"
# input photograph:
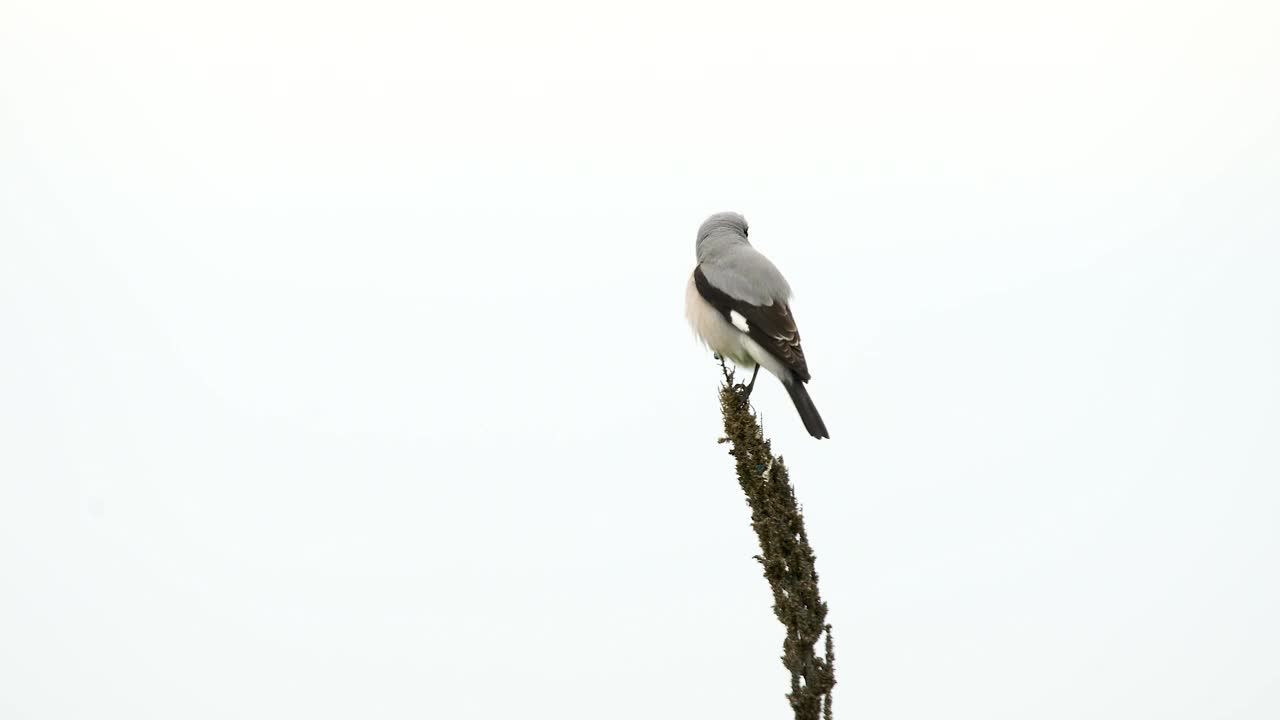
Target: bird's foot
(744, 390)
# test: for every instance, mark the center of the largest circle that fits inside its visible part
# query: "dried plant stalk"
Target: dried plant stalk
(785, 555)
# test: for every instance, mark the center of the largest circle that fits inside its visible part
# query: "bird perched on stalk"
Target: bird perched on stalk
(737, 303)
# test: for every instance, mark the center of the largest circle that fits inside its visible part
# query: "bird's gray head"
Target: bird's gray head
(719, 231)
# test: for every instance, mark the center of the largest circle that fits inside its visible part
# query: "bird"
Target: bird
(738, 305)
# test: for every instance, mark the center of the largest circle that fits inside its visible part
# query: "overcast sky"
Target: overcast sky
(344, 372)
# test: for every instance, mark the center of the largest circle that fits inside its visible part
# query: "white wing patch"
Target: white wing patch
(738, 321)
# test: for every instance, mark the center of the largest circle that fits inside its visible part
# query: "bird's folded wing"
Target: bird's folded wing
(772, 326)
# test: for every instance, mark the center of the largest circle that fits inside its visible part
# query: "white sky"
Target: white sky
(344, 368)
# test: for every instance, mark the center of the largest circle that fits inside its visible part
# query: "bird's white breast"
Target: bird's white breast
(711, 327)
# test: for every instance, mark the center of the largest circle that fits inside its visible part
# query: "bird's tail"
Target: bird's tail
(804, 405)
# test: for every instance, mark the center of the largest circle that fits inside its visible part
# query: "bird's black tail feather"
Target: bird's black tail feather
(804, 405)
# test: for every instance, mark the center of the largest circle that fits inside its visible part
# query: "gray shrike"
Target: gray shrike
(736, 302)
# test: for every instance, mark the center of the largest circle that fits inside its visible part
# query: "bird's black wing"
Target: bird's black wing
(772, 326)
